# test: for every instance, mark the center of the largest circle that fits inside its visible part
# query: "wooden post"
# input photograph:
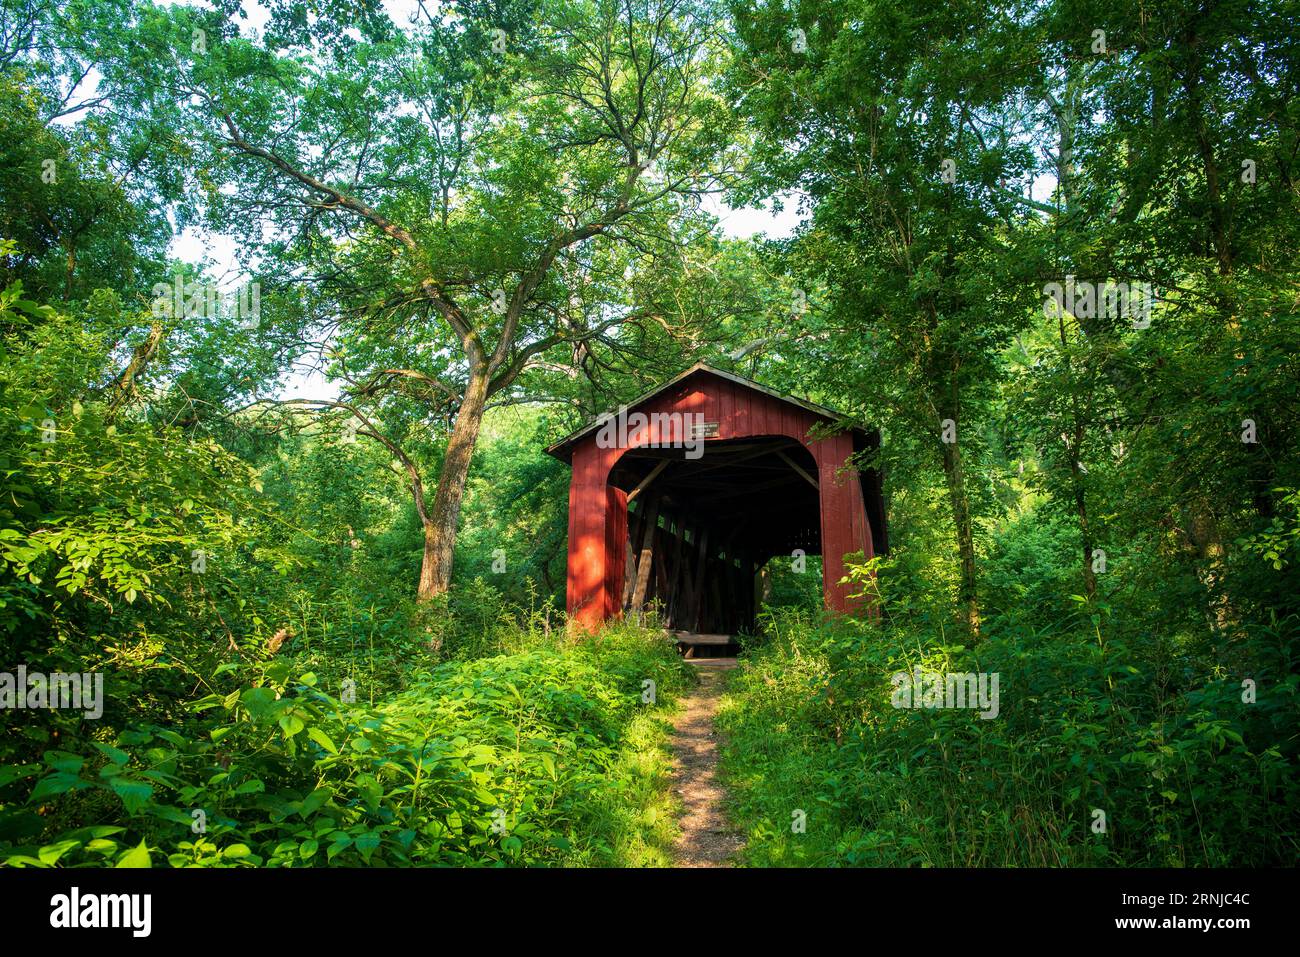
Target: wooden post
(697, 588)
(635, 524)
(717, 610)
(629, 575)
(649, 529)
(661, 569)
(677, 574)
(641, 486)
(800, 469)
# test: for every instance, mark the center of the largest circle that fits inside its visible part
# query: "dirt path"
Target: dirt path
(707, 839)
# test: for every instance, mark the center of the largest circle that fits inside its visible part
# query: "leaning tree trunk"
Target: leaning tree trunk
(441, 524)
(125, 385)
(960, 502)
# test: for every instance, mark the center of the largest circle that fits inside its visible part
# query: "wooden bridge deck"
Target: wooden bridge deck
(692, 642)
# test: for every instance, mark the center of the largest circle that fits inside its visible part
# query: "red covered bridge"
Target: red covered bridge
(681, 497)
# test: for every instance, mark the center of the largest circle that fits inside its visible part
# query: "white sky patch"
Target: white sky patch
(399, 11)
(215, 252)
(305, 382)
(1042, 188)
(754, 221)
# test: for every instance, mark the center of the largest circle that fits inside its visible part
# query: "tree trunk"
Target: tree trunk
(966, 596)
(1074, 451)
(441, 525)
(1203, 533)
(141, 356)
(1085, 533)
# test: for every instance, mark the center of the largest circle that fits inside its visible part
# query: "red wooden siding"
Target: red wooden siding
(615, 549)
(598, 511)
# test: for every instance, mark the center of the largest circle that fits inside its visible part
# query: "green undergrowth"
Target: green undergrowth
(547, 755)
(1091, 719)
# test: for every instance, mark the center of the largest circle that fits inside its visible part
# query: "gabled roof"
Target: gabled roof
(563, 448)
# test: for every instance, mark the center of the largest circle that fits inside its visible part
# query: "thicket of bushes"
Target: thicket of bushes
(546, 755)
(1134, 708)
(475, 731)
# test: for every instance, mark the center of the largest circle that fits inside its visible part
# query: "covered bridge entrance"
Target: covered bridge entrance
(680, 497)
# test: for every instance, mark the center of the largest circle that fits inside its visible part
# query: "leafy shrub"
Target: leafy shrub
(1186, 772)
(543, 756)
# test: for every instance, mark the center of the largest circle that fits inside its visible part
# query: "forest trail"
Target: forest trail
(707, 838)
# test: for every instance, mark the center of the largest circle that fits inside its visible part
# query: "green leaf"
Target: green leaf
(13, 772)
(341, 843)
(60, 782)
(136, 857)
(116, 755)
(291, 724)
(51, 853)
(323, 739)
(314, 801)
(367, 844)
(64, 761)
(134, 794)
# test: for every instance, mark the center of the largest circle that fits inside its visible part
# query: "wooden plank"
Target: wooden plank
(635, 523)
(697, 587)
(751, 573)
(654, 472)
(729, 543)
(660, 570)
(615, 550)
(667, 560)
(629, 574)
(736, 599)
(717, 610)
(736, 596)
(636, 535)
(753, 452)
(800, 469)
(649, 528)
(680, 569)
(701, 501)
(700, 638)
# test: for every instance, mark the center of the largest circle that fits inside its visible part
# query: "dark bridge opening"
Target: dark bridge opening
(700, 529)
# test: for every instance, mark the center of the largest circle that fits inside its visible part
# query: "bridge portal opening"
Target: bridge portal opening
(700, 529)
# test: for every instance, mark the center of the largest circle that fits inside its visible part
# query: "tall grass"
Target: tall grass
(1092, 720)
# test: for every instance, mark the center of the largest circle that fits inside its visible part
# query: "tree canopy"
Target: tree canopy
(293, 297)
